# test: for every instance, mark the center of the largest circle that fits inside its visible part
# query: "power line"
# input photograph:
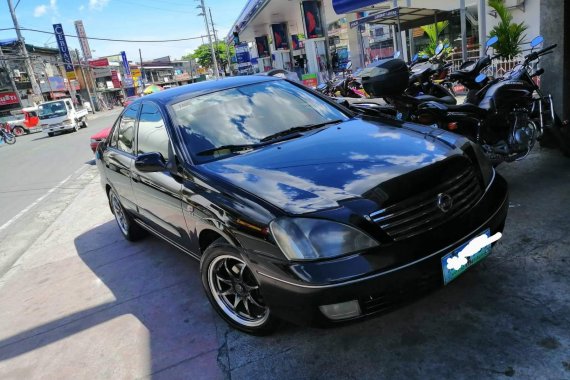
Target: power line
(109, 39)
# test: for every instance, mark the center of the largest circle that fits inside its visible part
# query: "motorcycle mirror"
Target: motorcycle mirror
(438, 49)
(349, 65)
(491, 41)
(397, 54)
(480, 78)
(415, 58)
(536, 41)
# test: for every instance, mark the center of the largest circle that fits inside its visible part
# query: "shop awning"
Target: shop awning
(349, 6)
(407, 18)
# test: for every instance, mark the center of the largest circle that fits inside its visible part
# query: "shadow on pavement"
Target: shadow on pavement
(150, 281)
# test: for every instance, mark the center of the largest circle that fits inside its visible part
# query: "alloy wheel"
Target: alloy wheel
(120, 216)
(236, 291)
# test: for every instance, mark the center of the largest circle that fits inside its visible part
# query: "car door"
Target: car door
(119, 157)
(158, 194)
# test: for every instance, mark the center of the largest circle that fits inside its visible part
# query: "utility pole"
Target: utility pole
(216, 39)
(142, 71)
(214, 61)
(84, 79)
(9, 72)
(35, 87)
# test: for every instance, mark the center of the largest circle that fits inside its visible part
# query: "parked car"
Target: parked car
(129, 100)
(296, 208)
(26, 121)
(62, 116)
(98, 137)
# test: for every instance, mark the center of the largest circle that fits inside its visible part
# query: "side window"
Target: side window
(127, 129)
(152, 134)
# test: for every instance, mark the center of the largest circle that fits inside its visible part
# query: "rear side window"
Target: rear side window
(126, 134)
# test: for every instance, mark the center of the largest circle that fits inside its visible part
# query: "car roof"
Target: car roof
(178, 94)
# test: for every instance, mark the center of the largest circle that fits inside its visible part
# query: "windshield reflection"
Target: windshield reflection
(247, 114)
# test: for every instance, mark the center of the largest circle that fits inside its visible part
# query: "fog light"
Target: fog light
(342, 310)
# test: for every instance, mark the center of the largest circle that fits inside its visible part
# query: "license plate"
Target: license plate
(455, 263)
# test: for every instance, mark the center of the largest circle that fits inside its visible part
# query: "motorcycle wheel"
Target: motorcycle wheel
(9, 139)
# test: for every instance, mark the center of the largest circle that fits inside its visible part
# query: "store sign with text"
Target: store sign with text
(99, 62)
(62, 44)
(7, 98)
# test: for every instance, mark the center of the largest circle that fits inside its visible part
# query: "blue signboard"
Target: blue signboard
(125, 63)
(349, 6)
(62, 44)
(243, 57)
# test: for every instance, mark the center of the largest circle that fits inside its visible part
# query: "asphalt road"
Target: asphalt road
(37, 163)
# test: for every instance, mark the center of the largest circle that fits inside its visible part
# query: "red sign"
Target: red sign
(115, 79)
(8, 98)
(99, 62)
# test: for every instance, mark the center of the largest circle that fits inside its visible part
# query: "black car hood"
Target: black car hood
(328, 166)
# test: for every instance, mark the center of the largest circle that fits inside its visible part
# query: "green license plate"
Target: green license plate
(455, 263)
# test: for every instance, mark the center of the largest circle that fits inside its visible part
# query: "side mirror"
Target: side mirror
(150, 163)
(438, 49)
(536, 41)
(491, 41)
(415, 58)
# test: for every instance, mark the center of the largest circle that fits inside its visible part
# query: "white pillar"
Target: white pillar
(482, 14)
(463, 30)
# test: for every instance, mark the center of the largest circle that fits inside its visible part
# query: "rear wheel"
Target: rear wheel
(50, 134)
(128, 227)
(84, 123)
(9, 138)
(233, 290)
(18, 131)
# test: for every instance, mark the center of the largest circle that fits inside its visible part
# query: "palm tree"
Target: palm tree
(433, 31)
(510, 34)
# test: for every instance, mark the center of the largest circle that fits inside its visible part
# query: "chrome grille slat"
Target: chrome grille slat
(420, 213)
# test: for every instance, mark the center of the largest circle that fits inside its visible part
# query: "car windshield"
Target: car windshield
(51, 110)
(249, 115)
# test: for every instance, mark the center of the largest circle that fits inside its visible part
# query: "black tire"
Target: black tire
(128, 227)
(18, 130)
(222, 257)
(50, 134)
(84, 123)
(9, 138)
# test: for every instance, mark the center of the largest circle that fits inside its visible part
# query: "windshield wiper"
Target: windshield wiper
(301, 128)
(231, 148)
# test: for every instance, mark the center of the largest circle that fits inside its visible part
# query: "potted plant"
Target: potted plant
(510, 34)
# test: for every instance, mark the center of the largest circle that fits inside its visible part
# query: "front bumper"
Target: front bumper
(379, 279)
(58, 128)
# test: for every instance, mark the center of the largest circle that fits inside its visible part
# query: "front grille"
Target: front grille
(421, 213)
(404, 293)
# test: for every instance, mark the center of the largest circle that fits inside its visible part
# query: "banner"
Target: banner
(85, 49)
(262, 46)
(62, 44)
(101, 72)
(279, 36)
(348, 6)
(99, 62)
(115, 79)
(310, 80)
(243, 58)
(313, 20)
(7, 98)
(125, 63)
(390, 13)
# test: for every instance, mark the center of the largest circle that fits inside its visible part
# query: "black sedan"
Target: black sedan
(297, 208)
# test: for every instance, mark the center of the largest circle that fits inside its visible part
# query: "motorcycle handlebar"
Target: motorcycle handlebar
(534, 55)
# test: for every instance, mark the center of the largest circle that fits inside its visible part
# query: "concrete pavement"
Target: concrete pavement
(83, 303)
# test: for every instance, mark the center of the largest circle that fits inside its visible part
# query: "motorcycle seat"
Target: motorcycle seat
(462, 108)
(448, 100)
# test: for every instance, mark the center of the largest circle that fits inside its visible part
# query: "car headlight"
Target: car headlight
(312, 239)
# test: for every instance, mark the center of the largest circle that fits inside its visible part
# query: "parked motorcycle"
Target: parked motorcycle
(347, 87)
(7, 136)
(509, 116)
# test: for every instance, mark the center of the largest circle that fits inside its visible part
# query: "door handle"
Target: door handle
(135, 177)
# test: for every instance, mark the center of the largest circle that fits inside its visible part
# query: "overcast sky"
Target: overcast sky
(121, 19)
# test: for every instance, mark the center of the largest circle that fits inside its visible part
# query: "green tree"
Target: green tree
(203, 54)
(433, 31)
(510, 34)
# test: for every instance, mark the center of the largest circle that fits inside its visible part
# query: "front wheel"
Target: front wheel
(233, 290)
(128, 227)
